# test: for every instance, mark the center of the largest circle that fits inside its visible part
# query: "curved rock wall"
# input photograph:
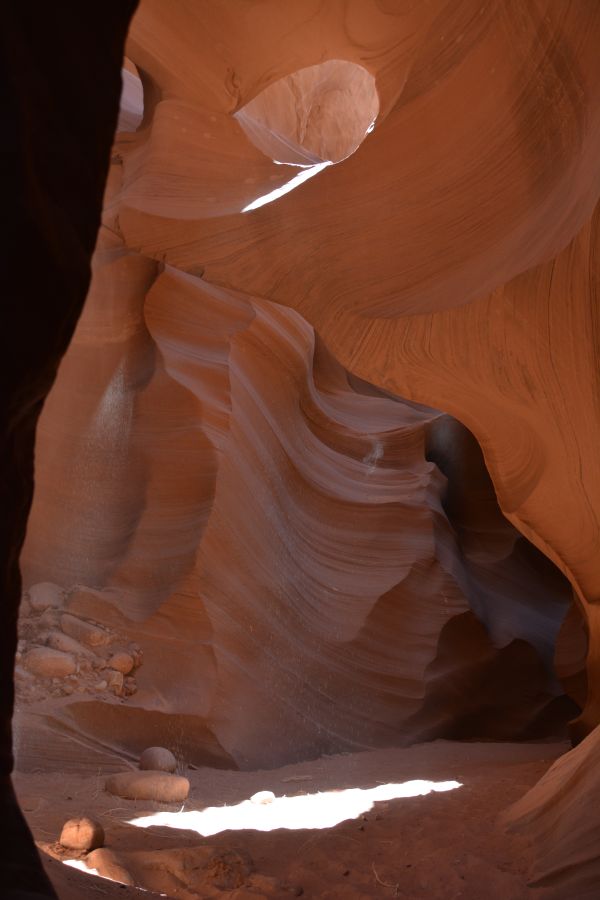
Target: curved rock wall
(277, 536)
(446, 246)
(276, 531)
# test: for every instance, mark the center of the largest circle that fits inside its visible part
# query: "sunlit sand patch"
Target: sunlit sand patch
(319, 810)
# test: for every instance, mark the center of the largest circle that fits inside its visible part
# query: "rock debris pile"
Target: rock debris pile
(61, 653)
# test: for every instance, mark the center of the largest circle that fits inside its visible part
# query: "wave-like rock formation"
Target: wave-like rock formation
(301, 574)
(310, 562)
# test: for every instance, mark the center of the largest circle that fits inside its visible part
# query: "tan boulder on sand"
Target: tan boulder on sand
(160, 786)
(82, 834)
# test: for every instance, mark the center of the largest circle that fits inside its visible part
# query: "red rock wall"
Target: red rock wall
(278, 537)
(276, 529)
(437, 260)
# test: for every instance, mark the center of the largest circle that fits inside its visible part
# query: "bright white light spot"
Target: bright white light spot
(371, 127)
(295, 182)
(279, 162)
(321, 810)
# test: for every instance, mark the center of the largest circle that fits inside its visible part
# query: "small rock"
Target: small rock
(159, 786)
(262, 798)
(158, 759)
(84, 632)
(49, 618)
(82, 834)
(101, 686)
(130, 686)
(22, 674)
(45, 595)
(49, 663)
(60, 641)
(122, 662)
(115, 682)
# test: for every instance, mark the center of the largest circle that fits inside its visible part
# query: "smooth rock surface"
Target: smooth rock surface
(250, 377)
(122, 662)
(85, 632)
(82, 834)
(49, 663)
(60, 641)
(45, 595)
(160, 786)
(158, 758)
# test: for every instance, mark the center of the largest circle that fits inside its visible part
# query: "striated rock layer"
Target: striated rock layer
(412, 225)
(309, 562)
(301, 575)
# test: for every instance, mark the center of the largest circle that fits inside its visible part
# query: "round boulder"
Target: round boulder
(158, 759)
(82, 834)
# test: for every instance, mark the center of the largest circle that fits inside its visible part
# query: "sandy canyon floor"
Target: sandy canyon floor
(445, 844)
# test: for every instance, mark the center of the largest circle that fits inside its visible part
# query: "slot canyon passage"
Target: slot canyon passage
(316, 491)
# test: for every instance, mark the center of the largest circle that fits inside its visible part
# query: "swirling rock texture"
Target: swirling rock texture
(274, 535)
(237, 459)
